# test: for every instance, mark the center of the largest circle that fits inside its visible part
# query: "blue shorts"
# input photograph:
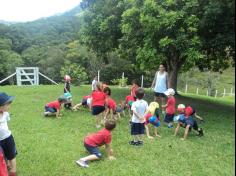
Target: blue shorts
(97, 110)
(93, 150)
(48, 109)
(156, 124)
(84, 102)
(169, 118)
(137, 128)
(9, 147)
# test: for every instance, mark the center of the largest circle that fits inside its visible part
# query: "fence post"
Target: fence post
(216, 93)
(224, 92)
(207, 92)
(142, 81)
(186, 88)
(231, 91)
(98, 75)
(197, 91)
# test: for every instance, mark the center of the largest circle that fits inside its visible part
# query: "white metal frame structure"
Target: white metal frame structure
(27, 74)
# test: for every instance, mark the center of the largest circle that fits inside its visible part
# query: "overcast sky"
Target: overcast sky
(29, 10)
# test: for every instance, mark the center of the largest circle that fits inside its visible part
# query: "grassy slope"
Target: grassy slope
(47, 146)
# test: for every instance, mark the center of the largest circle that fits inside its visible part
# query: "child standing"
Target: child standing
(170, 107)
(152, 117)
(134, 88)
(53, 108)
(67, 79)
(111, 104)
(93, 141)
(129, 99)
(7, 142)
(98, 102)
(139, 107)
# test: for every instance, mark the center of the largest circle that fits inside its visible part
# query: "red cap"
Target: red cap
(188, 111)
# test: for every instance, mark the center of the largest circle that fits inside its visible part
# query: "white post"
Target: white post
(216, 93)
(7, 78)
(98, 75)
(48, 78)
(224, 92)
(186, 88)
(207, 92)
(197, 91)
(123, 75)
(231, 91)
(142, 81)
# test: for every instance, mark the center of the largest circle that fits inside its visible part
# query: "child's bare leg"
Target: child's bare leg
(90, 158)
(156, 133)
(77, 106)
(177, 129)
(12, 165)
(98, 121)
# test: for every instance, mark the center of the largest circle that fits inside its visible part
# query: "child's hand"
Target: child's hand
(158, 136)
(150, 137)
(111, 158)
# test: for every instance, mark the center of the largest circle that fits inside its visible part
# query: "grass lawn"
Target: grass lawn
(50, 147)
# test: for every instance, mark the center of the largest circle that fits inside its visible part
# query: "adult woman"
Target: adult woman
(160, 84)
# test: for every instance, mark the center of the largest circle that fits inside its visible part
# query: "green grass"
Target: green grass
(48, 146)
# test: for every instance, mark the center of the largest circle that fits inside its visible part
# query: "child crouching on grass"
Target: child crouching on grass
(93, 141)
(53, 108)
(152, 117)
(6, 139)
(188, 122)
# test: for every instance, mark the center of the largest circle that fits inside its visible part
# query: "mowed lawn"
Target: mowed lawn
(50, 147)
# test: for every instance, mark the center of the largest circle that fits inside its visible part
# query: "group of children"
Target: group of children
(106, 112)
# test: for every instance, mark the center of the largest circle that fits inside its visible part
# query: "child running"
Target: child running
(54, 108)
(93, 141)
(152, 117)
(98, 102)
(139, 107)
(170, 107)
(188, 122)
(7, 142)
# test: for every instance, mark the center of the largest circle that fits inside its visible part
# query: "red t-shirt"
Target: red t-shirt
(170, 108)
(99, 98)
(98, 139)
(147, 117)
(54, 104)
(129, 98)
(3, 166)
(111, 103)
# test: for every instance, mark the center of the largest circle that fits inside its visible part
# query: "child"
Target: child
(152, 117)
(3, 166)
(6, 139)
(134, 88)
(111, 104)
(139, 107)
(68, 103)
(188, 122)
(93, 141)
(94, 83)
(129, 99)
(53, 108)
(170, 107)
(67, 83)
(98, 102)
(86, 102)
(120, 109)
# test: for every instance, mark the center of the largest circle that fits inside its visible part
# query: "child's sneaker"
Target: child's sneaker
(200, 132)
(82, 163)
(139, 143)
(98, 126)
(170, 126)
(132, 143)
(46, 114)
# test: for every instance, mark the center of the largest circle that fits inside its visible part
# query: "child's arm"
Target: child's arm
(106, 113)
(186, 132)
(137, 115)
(177, 129)
(155, 132)
(198, 117)
(109, 152)
(147, 131)
(58, 113)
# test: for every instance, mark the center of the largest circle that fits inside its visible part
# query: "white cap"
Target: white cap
(169, 91)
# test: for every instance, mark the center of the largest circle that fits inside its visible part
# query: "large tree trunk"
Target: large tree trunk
(173, 70)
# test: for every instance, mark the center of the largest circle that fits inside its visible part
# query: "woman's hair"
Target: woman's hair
(99, 86)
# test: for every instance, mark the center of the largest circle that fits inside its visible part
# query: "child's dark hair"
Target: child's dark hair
(107, 91)
(140, 93)
(134, 81)
(110, 124)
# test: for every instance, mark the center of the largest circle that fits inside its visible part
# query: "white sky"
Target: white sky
(29, 10)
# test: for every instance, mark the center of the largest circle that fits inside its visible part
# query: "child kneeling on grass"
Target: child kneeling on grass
(93, 141)
(152, 117)
(7, 142)
(53, 108)
(186, 120)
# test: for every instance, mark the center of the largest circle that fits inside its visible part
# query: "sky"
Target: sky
(29, 10)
